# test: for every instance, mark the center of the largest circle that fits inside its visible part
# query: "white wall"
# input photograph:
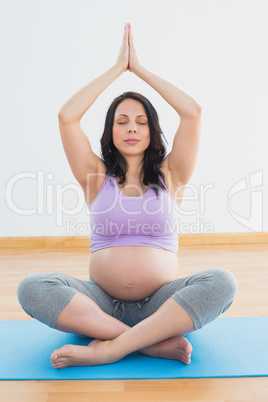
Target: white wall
(216, 50)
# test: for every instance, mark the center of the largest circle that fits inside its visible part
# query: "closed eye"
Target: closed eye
(143, 124)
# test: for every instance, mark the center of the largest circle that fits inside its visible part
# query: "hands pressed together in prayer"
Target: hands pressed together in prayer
(128, 58)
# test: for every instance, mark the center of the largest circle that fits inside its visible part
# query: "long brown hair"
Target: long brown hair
(114, 161)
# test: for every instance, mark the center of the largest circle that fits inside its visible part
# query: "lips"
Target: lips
(132, 141)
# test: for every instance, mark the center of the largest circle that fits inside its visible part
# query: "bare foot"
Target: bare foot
(97, 352)
(178, 348)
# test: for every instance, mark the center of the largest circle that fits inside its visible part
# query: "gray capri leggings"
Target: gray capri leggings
(204, 296)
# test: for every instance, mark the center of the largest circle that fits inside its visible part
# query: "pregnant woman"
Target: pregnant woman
(135, 299)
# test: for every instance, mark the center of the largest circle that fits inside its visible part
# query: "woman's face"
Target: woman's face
(130, 122)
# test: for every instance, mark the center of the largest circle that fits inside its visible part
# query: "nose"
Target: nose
(132, 130)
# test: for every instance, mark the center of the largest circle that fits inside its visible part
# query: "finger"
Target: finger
(130, 31)
(126, 29)
(130, 35)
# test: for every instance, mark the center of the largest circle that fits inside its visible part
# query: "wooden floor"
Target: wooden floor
(249, 263)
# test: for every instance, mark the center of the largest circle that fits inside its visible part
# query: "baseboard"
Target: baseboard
(83, 242)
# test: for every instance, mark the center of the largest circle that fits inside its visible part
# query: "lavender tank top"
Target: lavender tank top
(119, 220)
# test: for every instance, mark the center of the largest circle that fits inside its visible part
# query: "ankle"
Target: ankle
(117, 350)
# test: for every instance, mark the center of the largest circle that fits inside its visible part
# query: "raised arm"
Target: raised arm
(81, 158)
(181, 160)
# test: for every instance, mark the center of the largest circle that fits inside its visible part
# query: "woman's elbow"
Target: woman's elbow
(198, 110)
(65, 118)
(195, 111)
(62, 116)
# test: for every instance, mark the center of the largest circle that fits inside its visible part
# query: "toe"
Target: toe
(58, 364)
(54, 362)
(54, 355)
(188, 348)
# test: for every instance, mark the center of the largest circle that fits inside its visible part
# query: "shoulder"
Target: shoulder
(94, 182)
(176, 190)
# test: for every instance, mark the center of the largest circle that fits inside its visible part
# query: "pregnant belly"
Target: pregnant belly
(133, 272)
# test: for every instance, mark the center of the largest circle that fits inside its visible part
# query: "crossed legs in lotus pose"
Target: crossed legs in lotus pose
(159, 335)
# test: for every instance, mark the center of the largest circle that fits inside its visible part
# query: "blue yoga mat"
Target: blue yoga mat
(227, 347)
